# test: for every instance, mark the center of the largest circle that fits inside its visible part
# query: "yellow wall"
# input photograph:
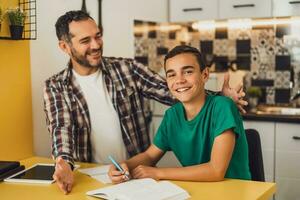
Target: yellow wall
(16, 132)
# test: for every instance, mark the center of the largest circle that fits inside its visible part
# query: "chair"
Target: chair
(255, 155)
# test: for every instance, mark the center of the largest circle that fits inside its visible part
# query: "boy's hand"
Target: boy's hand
(63, 175)
(236, 94)
(117, 176)
(142, 171)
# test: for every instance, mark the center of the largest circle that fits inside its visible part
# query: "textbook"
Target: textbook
(137, 189)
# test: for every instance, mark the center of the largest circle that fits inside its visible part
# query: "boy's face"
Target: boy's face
(185, 79)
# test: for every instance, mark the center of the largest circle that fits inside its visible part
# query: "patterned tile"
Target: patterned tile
(282, 79)
(239, 29)
(280, 47)
(207, 34)
(141, 47)
(224, 47)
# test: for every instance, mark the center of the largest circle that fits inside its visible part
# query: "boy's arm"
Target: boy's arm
(148, 158)
(214, 170)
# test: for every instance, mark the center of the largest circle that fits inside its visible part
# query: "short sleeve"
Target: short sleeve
(226, 116)
(161, 137)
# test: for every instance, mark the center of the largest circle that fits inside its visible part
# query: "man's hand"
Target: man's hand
(236, 94)
(116, 176)
(143, 171)
(63, 175)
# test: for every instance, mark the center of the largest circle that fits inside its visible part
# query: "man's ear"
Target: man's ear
(63, 45)
(205, 74)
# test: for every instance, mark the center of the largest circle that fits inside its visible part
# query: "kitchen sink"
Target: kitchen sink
(277, 110)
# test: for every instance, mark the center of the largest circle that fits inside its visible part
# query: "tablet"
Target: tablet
(38, 173)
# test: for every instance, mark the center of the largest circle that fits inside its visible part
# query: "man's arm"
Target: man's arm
(59, 125)
(214, 170)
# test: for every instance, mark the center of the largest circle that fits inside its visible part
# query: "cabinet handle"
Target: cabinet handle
(294, 2)
(243, 5)
(191, 9)
(296, 137)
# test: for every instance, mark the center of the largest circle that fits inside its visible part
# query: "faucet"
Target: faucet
(295, 99)
(296, 96)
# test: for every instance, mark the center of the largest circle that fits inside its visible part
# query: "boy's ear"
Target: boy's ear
(205, 74)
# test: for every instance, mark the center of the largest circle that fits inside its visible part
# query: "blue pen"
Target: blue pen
(118, 167)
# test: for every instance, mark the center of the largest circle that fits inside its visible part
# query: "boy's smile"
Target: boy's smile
(185, 79)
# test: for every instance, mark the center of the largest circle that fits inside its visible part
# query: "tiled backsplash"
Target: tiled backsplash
(268, 50)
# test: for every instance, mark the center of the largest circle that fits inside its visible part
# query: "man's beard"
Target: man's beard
(82, 59)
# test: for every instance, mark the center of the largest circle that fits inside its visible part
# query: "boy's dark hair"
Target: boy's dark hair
(180, 49)
(62, 23)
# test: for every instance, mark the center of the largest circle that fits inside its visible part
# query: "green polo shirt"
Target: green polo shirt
(192, 141)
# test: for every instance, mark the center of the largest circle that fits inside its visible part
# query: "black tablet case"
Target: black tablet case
(8, 168)
(11, 172)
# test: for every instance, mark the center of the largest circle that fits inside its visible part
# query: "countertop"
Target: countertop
(272, 117)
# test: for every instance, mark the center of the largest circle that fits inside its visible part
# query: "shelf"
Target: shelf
(30, 26)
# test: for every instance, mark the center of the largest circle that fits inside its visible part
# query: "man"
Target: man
(209, 145)
(94, 108)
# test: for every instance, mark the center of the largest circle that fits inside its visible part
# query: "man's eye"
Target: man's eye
(84, 41)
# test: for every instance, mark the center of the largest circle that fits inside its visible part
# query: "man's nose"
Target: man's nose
(96, 44)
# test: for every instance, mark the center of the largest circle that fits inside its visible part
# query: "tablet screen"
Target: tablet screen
(39, 173)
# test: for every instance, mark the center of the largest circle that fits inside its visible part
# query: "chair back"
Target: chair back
(255, 155)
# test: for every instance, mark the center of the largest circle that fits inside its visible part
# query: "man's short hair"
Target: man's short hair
(62, 23)
(181, 49)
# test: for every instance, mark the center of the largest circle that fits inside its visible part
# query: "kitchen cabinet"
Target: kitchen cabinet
(286, 8)
(287, 161)
(192, 10)
(245, 8)
(267, 136)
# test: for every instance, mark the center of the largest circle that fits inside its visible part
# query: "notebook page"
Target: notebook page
(95, 170)
(163, 190)
(123, 189)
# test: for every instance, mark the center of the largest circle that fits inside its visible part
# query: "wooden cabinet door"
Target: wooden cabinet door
(245, 8)
(193, 10)
(287, 174)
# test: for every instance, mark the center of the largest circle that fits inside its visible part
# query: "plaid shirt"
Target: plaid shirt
(67, 114)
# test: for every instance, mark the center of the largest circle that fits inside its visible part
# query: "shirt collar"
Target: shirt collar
(68, 74)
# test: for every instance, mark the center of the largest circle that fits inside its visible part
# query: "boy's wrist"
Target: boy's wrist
(160, 174)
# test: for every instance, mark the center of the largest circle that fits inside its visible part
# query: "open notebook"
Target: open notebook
(137, 189)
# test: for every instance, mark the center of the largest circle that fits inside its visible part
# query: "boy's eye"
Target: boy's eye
(170, 75)
(188, 72)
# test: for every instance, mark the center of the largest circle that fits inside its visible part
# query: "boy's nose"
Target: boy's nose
(180, 79)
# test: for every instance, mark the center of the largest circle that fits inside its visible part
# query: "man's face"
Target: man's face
(86, 43)
(184, 77)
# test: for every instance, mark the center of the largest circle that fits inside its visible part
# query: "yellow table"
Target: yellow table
(231, 189)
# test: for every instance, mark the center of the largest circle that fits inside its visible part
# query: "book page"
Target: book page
(146, 189)
(163, 190)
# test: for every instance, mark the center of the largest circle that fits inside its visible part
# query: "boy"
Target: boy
(205, 132)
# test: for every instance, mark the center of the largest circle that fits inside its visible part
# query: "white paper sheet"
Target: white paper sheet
(98, 173)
